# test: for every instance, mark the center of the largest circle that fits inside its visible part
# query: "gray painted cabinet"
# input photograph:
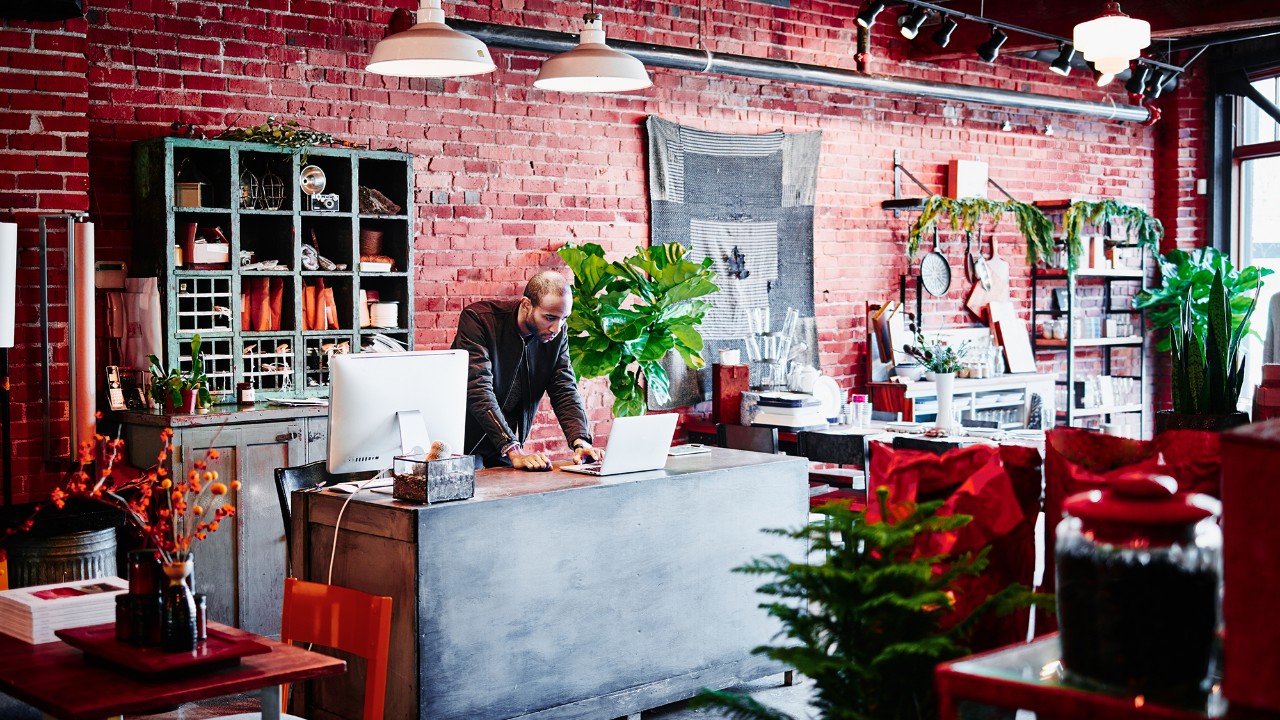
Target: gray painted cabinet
(241, 567)
(553, 595)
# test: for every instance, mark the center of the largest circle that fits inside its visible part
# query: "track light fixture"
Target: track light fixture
(867, 16)
(1159, 83)
(912, 23)
(990, 50)
(1062, 63)
(1137, 83)
(942, 36)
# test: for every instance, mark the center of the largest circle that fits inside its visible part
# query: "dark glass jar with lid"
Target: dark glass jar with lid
(1139, 577)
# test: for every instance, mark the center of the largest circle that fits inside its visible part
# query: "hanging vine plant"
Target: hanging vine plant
(967, 214)
(1139, 226)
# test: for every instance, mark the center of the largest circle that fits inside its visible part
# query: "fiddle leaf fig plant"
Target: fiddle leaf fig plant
(627, 315)
(170, 384)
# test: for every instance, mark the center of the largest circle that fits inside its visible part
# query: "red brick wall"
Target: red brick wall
(524, 171)
(44, 168)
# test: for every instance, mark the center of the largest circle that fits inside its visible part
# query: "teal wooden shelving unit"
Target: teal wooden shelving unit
(290, 361)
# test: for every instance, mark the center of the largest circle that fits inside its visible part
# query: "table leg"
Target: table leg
(270, 702)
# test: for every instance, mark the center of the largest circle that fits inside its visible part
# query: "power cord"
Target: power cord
(337, 525)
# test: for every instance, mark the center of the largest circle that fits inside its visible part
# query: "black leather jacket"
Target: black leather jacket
(499, 412)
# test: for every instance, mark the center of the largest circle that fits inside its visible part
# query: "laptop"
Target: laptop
(635, 444)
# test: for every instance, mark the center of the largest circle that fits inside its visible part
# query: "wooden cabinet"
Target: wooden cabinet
(249, 195)
(241, 567)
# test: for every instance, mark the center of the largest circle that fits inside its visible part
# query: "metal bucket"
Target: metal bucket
(62, 558)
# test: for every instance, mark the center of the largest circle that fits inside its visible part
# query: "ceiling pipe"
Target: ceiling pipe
(519, 38)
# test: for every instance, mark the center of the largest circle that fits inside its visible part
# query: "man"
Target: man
(519, 350)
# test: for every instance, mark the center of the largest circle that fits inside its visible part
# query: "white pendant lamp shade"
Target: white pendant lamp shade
(1112, 39)
(430, 49)
(592, 66)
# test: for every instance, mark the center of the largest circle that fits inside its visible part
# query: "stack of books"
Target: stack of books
(31, 614)
(790, 411)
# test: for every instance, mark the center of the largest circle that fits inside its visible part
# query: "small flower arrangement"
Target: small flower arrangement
(171, 516)
(935, 355)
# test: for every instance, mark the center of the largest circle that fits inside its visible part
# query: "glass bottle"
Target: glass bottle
(1139, 582)
(178, 617)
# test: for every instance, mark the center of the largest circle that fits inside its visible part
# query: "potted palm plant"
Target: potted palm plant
(1206, 305)
(179, 391)
(627, 315)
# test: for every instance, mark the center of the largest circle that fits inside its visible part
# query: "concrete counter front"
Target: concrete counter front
(555, 595)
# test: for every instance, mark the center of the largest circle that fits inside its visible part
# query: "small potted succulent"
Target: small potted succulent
(942, 362)
(178, 391)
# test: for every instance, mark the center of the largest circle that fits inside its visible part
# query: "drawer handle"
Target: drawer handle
(292, 435)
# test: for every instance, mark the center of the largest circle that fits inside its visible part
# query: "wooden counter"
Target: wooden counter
(561, 595)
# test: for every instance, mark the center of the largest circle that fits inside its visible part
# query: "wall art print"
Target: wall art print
(746, 201)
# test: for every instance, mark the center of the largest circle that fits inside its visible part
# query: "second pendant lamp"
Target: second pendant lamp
(593, 66)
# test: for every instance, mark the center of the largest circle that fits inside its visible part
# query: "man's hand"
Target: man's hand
(586, 453)
(531, 461)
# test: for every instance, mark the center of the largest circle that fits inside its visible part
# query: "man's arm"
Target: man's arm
(482, 403)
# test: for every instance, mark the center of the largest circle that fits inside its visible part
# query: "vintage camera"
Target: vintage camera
(325, 202)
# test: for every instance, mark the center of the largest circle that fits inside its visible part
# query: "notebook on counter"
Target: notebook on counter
(636, 444)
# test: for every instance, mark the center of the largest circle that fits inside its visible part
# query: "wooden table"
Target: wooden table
(1026, 677)
(56, 678)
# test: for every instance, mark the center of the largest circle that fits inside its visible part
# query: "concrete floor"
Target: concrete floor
(793, 700)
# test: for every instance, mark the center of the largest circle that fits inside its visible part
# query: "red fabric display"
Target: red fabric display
(999, 486)
(1078, 460)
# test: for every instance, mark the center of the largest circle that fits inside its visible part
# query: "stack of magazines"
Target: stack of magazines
(31, 614)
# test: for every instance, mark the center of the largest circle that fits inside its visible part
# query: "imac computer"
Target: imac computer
(387, 404)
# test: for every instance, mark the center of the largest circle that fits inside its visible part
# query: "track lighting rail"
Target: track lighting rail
(695, 60)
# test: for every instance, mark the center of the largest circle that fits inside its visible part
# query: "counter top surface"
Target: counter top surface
(502, 483)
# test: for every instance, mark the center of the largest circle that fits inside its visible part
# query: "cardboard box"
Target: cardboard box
(967, 179)
(207, 253)
(188, 194)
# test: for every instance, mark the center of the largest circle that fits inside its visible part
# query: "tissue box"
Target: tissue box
(207, 253)
(420, 480)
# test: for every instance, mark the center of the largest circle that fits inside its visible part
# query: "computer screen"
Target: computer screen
(387, 404)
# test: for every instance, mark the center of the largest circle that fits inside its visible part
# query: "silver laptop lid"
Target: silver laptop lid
(638, 443)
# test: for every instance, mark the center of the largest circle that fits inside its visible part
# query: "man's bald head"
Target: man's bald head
(546, 283)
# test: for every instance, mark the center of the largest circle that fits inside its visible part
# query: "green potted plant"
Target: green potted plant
(181, 391)
(870, 623)
(628, 314)
(1205, 304)
(1137, 224)
(941, 362)
(967, 213)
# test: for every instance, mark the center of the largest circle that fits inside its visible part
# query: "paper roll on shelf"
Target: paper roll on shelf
(8, 281)
(84, 403)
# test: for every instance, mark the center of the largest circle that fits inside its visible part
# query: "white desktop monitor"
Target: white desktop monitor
(387, 404)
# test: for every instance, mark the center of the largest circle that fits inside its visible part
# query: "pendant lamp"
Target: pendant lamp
(1112, 39)
(430, 49)
(592, 66)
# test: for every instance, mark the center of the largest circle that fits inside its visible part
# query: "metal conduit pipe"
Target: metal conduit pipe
(519, 38)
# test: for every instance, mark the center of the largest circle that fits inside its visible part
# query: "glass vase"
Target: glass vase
(178, 614)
